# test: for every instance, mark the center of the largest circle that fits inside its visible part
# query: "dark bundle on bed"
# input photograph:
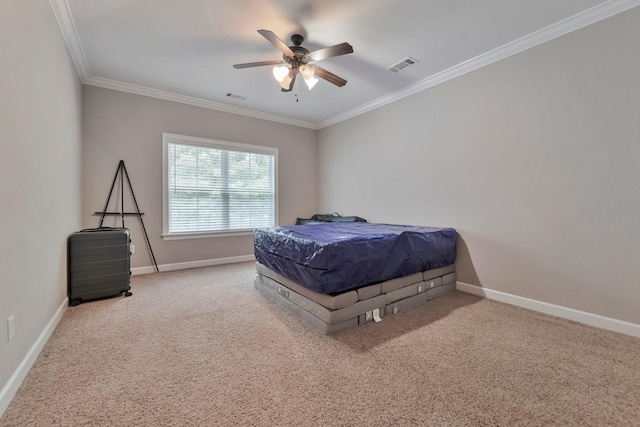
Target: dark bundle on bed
(332, 217)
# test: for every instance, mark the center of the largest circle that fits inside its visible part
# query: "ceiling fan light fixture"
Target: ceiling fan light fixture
(287, 83)
(308, 74)
(307, 71)
(311, 82)
(281, 73)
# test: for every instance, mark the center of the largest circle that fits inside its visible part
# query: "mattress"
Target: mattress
(334, 313)
(330, 258)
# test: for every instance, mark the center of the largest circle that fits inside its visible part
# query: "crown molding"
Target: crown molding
(69, 32)
(67, 26)
(190, 100)
(573, 23)
(580, 20)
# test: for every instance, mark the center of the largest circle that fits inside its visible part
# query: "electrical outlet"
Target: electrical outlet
(11, 328)
(133, 249)
(368, 316)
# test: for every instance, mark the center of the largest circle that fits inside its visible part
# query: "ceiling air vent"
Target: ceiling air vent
(404, 64)
(234, 96)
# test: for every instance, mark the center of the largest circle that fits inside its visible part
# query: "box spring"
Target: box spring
(334, 313)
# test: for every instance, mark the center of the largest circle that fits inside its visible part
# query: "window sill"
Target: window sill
(207, 235)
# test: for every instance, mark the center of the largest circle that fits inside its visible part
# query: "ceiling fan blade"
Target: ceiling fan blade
(276, 42)
(331, 51)
(330, 77)
(257, 64)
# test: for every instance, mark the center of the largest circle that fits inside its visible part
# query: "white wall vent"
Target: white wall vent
(234, 96)
(404, 64)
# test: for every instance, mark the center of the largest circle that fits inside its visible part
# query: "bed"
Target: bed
(335, 276)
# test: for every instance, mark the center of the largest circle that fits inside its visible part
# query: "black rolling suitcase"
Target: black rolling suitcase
(99, 264)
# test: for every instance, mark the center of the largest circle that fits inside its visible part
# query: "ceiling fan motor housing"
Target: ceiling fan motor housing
(300, 54)
(297, 39)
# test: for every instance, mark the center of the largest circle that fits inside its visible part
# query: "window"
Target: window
(212, 187)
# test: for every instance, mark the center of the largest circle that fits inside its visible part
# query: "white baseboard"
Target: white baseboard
(555, 310)
(192, 264)
(11, 387)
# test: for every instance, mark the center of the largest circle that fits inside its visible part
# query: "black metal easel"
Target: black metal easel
(122, 171)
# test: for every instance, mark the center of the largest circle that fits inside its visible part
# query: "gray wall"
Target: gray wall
(40, 120)
(533, 159)
(118, 125)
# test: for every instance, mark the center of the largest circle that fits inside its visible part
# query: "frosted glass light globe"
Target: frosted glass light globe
(280, 72)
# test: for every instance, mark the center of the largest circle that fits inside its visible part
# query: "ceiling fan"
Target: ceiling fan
(296, 59)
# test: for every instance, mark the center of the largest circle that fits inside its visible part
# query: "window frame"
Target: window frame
(172, 138)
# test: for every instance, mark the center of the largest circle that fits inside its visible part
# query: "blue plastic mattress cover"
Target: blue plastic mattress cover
(330, 258)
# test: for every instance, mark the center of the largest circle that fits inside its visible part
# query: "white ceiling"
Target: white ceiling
(185, 50)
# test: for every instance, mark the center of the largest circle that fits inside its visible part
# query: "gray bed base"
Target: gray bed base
(334, 313)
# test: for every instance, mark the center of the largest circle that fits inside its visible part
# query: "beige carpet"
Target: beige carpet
(202, 347)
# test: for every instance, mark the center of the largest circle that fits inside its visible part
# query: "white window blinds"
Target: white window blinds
(213, 189)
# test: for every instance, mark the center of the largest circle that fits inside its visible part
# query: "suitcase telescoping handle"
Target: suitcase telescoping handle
(102, 229)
